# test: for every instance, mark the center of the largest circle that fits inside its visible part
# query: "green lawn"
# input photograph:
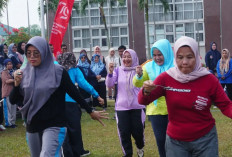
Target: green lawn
(104, 142)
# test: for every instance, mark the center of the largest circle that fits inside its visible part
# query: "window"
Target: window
(179, 28)
(77, 33)
(95, 32)
(169, 28)
(170, 38)
(77, 43)
(123, 31)
(159, 29)
(188, 20)
(96, 42)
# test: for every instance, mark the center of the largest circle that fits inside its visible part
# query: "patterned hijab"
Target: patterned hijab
(198, 71)
(67, 60)
(96, 67)
(39, 82)
(84, 65)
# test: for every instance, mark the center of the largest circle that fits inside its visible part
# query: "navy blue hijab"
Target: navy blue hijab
(212, 57)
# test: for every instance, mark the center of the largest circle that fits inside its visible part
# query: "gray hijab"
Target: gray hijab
(40, 82)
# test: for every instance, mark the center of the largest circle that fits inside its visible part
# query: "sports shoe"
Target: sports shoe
(140, 152)
(2, 127)
(85, 153)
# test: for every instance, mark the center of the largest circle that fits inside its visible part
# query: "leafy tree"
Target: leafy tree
(3, 4)
(143, 4)
(19, 35)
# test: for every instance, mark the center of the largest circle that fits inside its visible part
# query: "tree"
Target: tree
(84, 4)
(3, 4)
(34, 30)
(18, 36)
(143, 4)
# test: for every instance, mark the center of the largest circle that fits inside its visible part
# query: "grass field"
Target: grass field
(104, 142)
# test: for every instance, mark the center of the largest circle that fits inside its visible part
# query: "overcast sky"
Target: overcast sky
(17, 11)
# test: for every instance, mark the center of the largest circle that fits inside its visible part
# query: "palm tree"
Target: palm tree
(3, 4)
(84, 4)
(143, 4)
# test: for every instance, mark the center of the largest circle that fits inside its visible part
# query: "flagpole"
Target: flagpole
(7, 19)
(28, 19)
(47, 21)
(42, 18)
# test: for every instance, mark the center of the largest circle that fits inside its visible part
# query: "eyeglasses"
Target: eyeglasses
(35, 54)
(14, 47)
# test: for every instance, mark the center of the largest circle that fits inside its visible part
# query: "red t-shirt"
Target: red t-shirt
(189, 105)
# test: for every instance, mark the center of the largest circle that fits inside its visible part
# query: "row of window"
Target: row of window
(173, 32)
(186, 17)
(85, 38)
(183, 11)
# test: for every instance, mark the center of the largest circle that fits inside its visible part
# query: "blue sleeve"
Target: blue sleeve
(230, 70)
(218, 70)
(80, 79)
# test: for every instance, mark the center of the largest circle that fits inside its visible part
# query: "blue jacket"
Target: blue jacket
(228, 75)
(77, 77)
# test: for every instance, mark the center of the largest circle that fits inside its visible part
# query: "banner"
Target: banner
(60, 24)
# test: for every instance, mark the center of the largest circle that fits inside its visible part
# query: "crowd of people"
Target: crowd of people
(178, 91)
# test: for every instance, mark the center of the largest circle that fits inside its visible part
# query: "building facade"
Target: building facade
(203, 20)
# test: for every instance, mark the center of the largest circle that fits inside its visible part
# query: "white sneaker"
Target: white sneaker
(140, 152)
(2, 127)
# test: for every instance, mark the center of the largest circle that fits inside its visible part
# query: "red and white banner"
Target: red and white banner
(60, 24)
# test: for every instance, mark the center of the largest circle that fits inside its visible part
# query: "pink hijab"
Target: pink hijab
(198, 72)
(98, 53)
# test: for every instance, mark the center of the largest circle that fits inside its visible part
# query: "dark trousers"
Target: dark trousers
(228, 89)
(1, 113)
(1, 104)
(159, 125)
(131, 123)
(73, 144)
(101, 89)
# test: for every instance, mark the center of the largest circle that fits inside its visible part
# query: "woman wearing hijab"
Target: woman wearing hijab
(7, 86)
(130, 115)
(73, 143)
(189, 90)
(83, 51)
(99, 70)
(224, 70)
(42, 86)
(212, 57)
(20, 50)
(97, 50)
(163, 58)
(84, 66)
(3, 56)
(12, 49)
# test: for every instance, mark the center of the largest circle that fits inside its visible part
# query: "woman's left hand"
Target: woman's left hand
(98, 115)
(148, 86)
(100, 100)
(98, 77)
